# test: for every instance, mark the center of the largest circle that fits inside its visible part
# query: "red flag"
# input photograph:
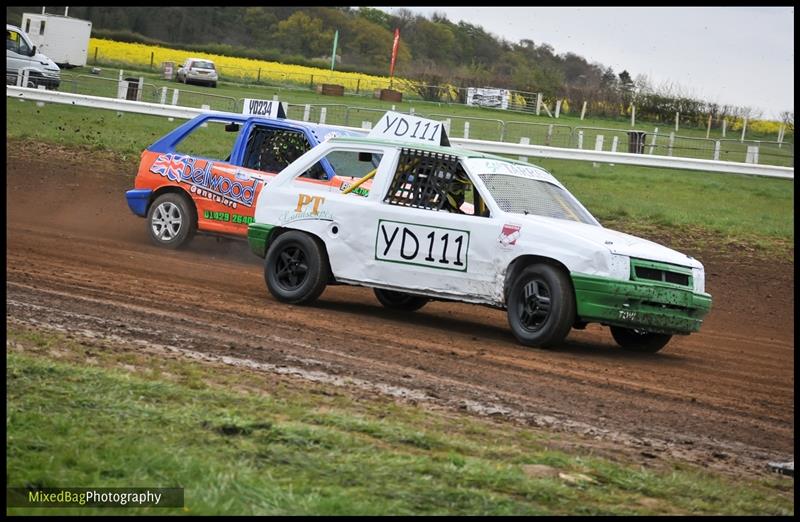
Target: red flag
(394, 50)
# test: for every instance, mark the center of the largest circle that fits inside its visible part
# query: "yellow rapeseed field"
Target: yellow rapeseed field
(236, 68)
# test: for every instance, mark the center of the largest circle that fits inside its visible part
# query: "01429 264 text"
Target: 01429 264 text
(227, 217)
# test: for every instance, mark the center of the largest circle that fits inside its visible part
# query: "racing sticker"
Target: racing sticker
(204, 181)
(509, 235)
(308, 207)
(423, 245)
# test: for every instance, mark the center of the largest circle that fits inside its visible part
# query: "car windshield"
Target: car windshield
(523, 195)
(203, 65)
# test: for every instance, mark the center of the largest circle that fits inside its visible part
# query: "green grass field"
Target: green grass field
(241, 442)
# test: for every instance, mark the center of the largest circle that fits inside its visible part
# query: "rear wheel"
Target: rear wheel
(296, 269)
(541, 306)
(171, 221)
(639, 340)
(400, 300)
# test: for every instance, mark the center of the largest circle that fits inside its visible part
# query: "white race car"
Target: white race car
(426, 221)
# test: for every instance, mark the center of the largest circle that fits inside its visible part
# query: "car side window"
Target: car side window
(208, 140)
(354, 168)
(272, 150)
(15, 43)
(434, 181)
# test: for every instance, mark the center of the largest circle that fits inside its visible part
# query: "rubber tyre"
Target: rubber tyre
(636, 341)
(296, 268)
(545, 316)
(171, 221)
(400, 300)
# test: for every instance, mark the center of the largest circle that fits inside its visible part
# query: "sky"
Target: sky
(741, 56)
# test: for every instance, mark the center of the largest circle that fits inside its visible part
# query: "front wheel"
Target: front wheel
(296, 269)
(638, 340)
(171, 221)
(400, 300)
(541, 306)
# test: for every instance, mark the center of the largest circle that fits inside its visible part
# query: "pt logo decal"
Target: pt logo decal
(303, 200)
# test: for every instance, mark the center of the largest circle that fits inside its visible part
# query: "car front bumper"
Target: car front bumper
(640, 305)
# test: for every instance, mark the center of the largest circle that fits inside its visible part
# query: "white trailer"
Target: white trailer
(64, 39)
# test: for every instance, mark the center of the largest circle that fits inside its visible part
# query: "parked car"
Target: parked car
(21, 56)
(197, 70)
(181, 192)
(445, 223)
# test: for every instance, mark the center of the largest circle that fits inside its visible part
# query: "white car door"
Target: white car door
(422, 240)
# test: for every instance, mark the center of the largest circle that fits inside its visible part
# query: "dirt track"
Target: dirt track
(79, 260)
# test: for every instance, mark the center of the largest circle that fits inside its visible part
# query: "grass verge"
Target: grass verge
(83, 413)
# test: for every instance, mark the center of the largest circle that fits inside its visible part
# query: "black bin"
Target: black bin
(133, 89)
(636, 142)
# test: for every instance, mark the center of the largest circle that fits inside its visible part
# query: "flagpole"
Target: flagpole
(333, 54)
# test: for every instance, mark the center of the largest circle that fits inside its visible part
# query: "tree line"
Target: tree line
(433, 51)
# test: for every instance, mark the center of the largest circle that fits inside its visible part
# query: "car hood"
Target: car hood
(617, 242)
(48, 64)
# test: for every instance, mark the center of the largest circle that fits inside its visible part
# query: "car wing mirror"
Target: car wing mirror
(365, 156)
(232, 127)
(33, 51)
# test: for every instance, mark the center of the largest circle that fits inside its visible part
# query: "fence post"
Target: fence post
(311, 86)
(724, 125)
(358, 85)
(558, 108)
(744, 128)
(671, 143)
(175, 96)
(633, 116)
(163, 95)
(141, 88)
(583, 111)
(598, 145)
(716, 150)
(653, 143)
(752, 154)
(549, 139)
(466, 130)
(95, 54)
(538, 102)
(411, 111)
(677, 119)
(614, 143)
(322, 113)
(580, 139)
(524, 141)
(152, 55)
(598, 142)
(446, 124)
(781, 134)
(502, 130)
(258, 78)
(366, 124)
(306, 112)
(708, 128)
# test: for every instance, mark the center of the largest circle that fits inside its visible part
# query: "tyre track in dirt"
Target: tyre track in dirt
(77, 258)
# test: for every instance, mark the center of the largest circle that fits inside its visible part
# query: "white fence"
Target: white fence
(525, 150)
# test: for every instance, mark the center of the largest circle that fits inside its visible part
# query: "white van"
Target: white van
(21, 55)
